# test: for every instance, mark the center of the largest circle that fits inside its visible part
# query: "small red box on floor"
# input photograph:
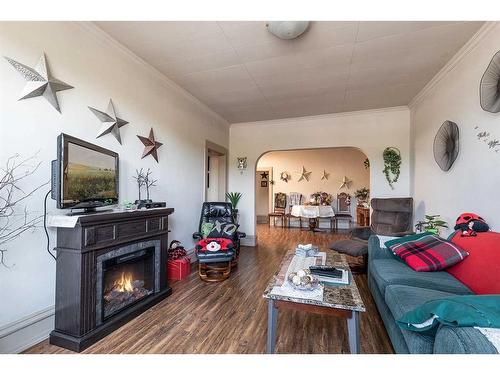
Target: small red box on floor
(178, 269)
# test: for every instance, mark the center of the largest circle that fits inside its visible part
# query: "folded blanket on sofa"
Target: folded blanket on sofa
(459, 311)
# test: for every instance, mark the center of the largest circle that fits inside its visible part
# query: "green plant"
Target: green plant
(392, 164)
(362, 194)
(432, 223)
(234, 198)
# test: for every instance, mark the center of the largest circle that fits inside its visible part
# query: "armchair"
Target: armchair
(390, 217)
(216, 265)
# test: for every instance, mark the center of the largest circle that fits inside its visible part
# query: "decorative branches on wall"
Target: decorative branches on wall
(12, 222)
(490, 140)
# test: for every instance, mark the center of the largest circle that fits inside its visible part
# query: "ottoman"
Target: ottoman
(354, 247)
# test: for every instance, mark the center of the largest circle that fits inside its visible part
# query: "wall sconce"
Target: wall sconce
(242, 164)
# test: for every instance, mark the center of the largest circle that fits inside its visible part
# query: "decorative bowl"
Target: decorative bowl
(303, 280)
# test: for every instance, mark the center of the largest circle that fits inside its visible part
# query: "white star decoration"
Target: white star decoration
(345, 183)
(304, 175)
(110, 122)
(40, 81)
(325, 175)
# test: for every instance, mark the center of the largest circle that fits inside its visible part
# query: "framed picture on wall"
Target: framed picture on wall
(263, 184)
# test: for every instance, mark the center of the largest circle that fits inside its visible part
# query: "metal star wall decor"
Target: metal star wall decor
(304, 175)
(345, 183)
(264, 175)
(325, 175)
(110, 122)
(151, 146)
(40, 81)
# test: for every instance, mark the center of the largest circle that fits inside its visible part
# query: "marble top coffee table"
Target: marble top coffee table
(339, 300)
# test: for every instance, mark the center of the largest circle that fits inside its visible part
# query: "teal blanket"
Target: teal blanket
(459, 311)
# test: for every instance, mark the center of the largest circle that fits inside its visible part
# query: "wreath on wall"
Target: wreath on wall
(392, 164)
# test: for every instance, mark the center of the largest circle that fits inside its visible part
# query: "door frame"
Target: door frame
(222, 152)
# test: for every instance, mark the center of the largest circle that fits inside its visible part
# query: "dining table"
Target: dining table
(313, 213)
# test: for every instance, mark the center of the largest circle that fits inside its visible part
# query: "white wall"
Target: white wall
(99, 70)
(370, 131)
(472, 183)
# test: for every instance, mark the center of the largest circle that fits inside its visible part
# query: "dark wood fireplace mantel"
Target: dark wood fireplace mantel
(78, 251)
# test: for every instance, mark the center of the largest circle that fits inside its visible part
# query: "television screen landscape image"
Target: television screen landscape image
(88, 175)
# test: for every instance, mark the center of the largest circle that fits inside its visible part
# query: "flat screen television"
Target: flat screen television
(84, 175)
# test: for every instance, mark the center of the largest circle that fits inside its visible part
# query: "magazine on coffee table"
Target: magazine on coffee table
(344, 280)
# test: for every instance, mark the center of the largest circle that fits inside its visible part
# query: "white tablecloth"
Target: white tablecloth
(312, 212)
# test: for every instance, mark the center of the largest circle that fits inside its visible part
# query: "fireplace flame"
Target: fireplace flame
(124, 284)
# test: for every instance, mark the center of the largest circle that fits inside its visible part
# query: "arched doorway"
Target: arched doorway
(308, 172)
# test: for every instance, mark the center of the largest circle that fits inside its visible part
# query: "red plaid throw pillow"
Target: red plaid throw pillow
(427, 252)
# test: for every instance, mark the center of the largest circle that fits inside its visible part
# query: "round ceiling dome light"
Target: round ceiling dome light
(287, 29)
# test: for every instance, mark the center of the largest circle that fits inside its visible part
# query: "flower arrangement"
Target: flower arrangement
(326, 199)
(362, 194)
(321, 198)
(315, 198)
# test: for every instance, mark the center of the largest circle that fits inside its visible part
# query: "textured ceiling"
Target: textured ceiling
(244, 73)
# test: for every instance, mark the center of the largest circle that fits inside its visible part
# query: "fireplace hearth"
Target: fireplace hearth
(110, 268)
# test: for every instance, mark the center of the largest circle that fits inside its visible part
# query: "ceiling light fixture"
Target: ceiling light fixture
(287, 29)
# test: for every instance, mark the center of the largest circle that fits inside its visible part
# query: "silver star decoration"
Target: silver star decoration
(304, 175)
(40, 81)
(345, 183)
(110, 122)
(325, 175)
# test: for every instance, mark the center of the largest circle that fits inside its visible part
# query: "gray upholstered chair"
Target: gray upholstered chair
(390, 217)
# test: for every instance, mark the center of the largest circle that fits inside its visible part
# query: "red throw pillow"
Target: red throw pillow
(480, 272)
(427, 252)
(206, 244)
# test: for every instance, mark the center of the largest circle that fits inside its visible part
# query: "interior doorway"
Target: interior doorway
(334, 177)
(215, 173)
(263, 194)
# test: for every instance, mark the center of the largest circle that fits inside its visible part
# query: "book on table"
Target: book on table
(327, 276)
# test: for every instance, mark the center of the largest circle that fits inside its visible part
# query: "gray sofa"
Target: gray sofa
(397, 289)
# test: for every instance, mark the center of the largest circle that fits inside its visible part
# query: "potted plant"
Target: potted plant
(362, 195)
(392, 165)
(431, 224)
(234, 198)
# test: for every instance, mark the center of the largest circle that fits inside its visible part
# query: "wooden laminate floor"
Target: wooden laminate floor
(231, 317)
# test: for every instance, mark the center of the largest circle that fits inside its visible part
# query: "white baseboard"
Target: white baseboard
(26, 332)
(249, 241)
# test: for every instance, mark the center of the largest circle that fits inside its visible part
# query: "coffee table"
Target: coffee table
(339, 300)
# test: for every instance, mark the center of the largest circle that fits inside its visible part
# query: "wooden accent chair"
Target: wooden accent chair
(294, 199)
(343, 211)
(216, 265)
(279, 209)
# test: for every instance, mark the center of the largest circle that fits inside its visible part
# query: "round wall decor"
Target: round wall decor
(489, 88)
(446, 145)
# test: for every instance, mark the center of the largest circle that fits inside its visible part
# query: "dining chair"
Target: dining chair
(343, 211)
(279, 209)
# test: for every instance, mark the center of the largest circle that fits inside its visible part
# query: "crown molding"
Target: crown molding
(107, 39)
(454, 61)
(288, 120)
